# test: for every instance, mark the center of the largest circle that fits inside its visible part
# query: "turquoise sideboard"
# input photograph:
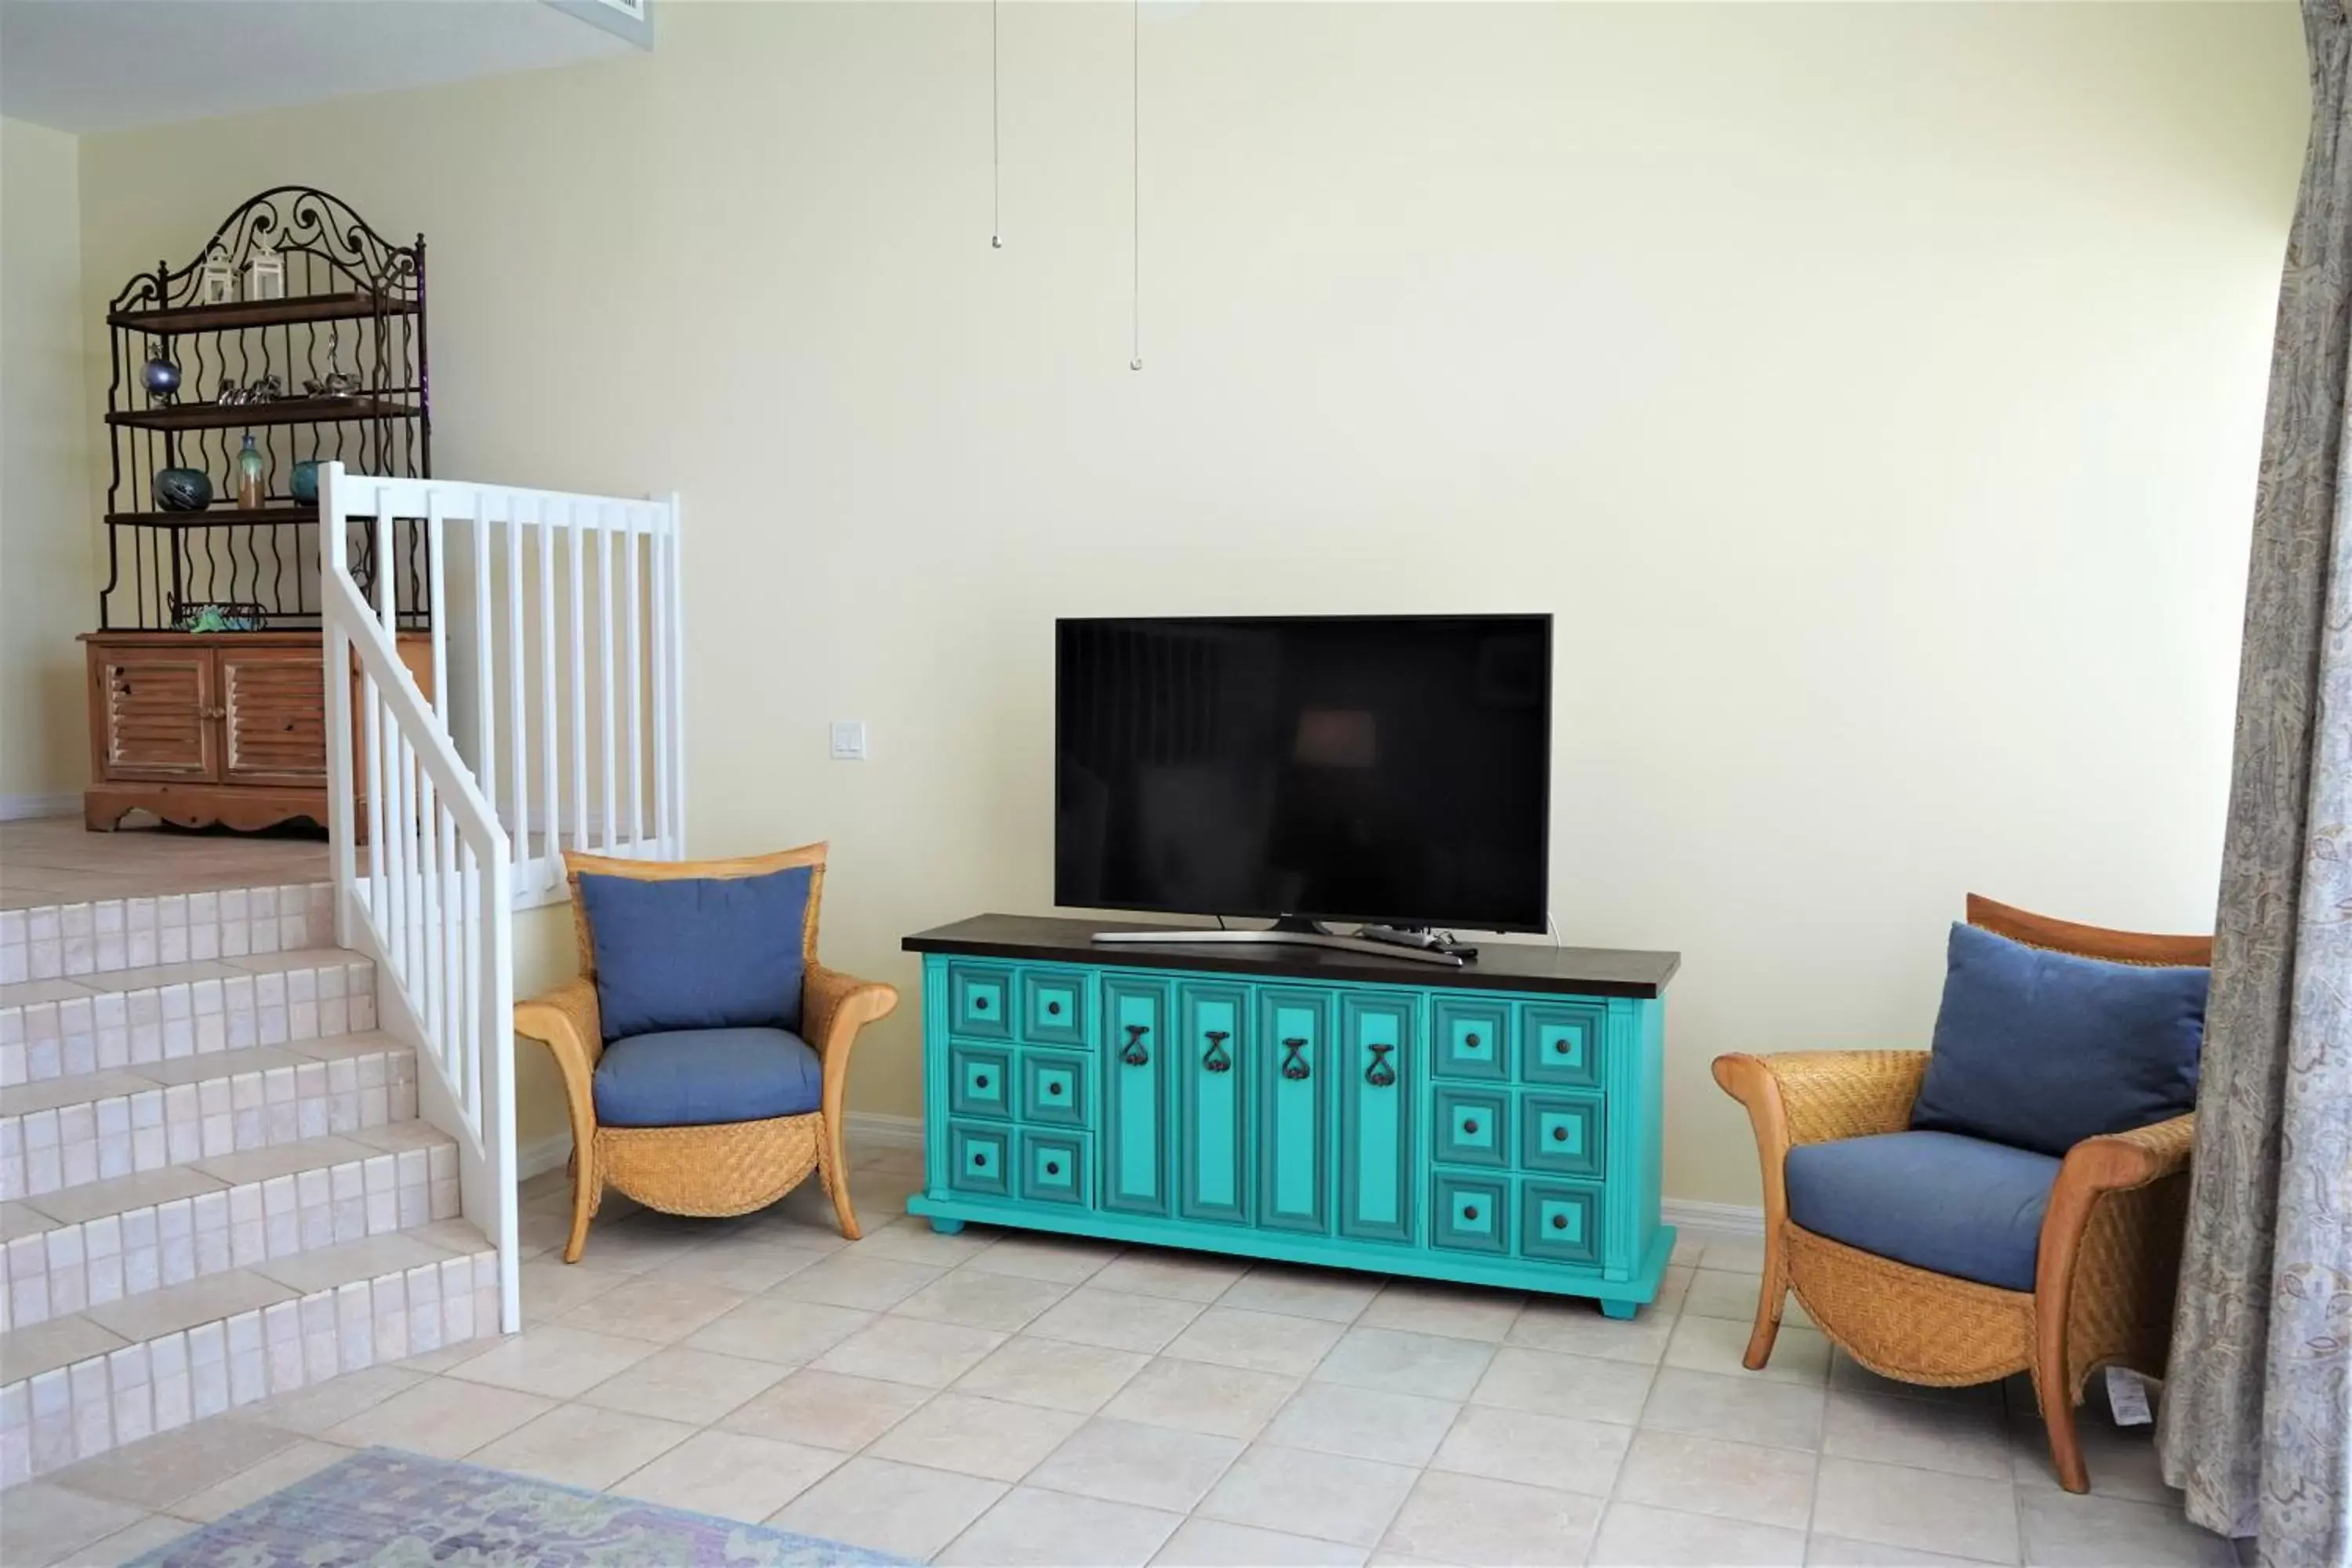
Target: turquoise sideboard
(1496, 1124)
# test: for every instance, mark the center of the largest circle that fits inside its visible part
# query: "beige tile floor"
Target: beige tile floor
(1001, 1398)
(55, 860)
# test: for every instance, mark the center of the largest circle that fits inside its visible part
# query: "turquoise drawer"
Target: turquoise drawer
(1054, 1087)
(1560, 1132)
(1470, 1212)
(980, 1080)
(1054, 1007)
(1473, 1126)
(1560, 1043)
(980, 1159)
(1560, 1222)
(1053, 1167)
(1472, 1037)
(980, 1000)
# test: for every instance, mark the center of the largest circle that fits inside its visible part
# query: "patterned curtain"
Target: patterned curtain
(2257, 1423)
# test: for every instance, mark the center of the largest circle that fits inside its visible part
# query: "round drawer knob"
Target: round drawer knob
(1559, 1134)
(1560, 1047)
(1470, 1212)
(980, 1082)
(1470, 1040)
(1054, 1008)
(1052, 1167)
(1470, 1127)
(980, 1162)
(980, 1004)
(1053, 1089)
(1560, 1222)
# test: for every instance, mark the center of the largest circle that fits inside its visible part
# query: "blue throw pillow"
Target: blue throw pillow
(705, 952)
(2041, 1050)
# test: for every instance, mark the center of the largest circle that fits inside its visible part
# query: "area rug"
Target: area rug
(386, 1507)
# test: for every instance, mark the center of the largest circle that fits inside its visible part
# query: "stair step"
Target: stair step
(63, 1132)
(82, 1247)
(84, 1383)
(64, 942)
(58, 1027)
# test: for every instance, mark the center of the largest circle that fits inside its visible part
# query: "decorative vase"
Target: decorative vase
(161, 377)
(183, 489)
(305, 482)
(248, 476)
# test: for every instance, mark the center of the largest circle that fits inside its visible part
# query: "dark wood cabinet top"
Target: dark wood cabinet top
(1499, 966)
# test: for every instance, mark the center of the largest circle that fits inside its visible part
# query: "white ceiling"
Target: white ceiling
(111, 65)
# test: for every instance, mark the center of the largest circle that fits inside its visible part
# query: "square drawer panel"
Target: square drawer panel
(1470, 1212)
(1560, 1043)
(1473, 1126)
(1472, 1037)
(980, 1000)
(1054, 1087)
(1560, 1222)
(1053, 1167)
(1054, 1007)
(980, 1080)
(979, 1158)
(1561, 1131)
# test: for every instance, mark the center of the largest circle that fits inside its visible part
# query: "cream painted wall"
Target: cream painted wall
(48, 586)
(1872, 392)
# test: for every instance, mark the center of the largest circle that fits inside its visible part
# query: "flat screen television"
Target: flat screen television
(1394, 770)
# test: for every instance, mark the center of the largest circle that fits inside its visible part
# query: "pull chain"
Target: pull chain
(1135, 175)
(995, 140)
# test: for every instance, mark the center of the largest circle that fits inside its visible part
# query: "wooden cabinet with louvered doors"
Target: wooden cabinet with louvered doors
(224, 727)
(273, 716)
(152, 714)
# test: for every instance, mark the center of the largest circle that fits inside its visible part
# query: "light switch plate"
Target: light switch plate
(849, 739)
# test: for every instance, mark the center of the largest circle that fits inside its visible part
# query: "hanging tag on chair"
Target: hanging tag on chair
(2127, 1397)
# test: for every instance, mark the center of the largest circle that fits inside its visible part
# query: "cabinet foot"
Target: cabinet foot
(946, 1226)
(1620, 1309)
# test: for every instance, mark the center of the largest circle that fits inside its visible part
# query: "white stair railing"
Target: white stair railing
(526, 688)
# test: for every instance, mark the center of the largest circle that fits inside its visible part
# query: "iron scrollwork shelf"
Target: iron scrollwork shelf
(352, 321)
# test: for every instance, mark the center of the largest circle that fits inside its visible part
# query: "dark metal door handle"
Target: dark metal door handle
(1380, 1075)
(1135, 1056)
(1294, 1060)
(1216, 1058)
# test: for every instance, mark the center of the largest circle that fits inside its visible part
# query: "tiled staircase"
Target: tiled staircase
(214, 1186)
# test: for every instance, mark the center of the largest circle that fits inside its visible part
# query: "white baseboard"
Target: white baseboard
(23, 808)
(548, 1154)
(889, 1131)
(1738, 1218)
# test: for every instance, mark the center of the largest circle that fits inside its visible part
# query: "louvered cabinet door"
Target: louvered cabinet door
(154, 713)
(273, 716)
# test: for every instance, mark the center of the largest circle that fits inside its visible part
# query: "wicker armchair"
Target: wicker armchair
(714, 1171)
(2109, 1255)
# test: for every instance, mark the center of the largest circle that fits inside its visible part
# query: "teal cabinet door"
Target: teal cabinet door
(978, 1158)
(1473, 1126)
(1213, 1151)
(1562, 1132)
(1470, 1212)
(980, 1000)
(1054, 1007)
(1375, 1076)
(1561, 1043)
(1135, 1052)
(1053, 1167)
(1469, 1038)
(980, 1080)
(1293, 1097)
(1561, 1222)
(1054, 1087)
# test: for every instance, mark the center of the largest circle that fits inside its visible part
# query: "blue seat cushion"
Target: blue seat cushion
(1959, 1205)
(701, 1078)
(701, 952)
(2043, 1049)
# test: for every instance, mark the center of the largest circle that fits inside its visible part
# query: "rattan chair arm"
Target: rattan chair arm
(2118, 1160)
(1827, 1095)
(565, 1021)
(834, 1006)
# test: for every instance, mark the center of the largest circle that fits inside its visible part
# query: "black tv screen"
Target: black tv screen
(1386, 769)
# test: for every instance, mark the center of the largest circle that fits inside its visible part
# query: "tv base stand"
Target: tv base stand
(1289, 931)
